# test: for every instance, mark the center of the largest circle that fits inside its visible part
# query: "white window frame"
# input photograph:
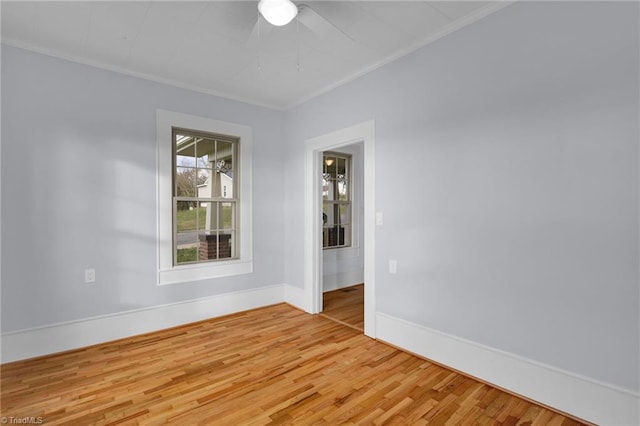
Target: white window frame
(167, 272)
(348, 157)
(333, 254)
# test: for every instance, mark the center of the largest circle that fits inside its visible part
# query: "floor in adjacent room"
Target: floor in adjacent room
(345, 305)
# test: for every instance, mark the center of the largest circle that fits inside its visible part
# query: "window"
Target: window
(204, 209)
(204, 198)
(336, 200)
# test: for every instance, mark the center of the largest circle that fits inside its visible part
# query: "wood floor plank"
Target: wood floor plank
(275, 365)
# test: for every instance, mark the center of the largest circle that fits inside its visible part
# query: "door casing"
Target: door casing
(360, 133)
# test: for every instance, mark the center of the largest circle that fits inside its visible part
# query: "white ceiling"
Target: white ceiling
(206, 46)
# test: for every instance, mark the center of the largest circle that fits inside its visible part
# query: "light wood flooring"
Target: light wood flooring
(345, 305)
(274, 365)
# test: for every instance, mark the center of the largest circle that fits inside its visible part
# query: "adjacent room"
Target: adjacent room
(324, 212)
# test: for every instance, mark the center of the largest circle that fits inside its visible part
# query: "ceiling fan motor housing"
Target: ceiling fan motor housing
(278, 12)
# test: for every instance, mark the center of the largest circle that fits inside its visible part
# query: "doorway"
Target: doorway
(342, 193)
(362, 134)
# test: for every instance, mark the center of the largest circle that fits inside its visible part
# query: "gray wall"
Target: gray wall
(79, 191)
(517, 226)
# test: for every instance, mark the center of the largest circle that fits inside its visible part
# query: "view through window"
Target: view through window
(205, 203)
(336, 200)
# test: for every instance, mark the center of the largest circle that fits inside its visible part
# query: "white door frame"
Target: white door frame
(360, 133)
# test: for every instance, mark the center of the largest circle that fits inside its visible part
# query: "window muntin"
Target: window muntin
(205, 203)
(336, 200)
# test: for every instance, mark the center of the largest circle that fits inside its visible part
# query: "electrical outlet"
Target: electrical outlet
(379, 220)
(90, 275)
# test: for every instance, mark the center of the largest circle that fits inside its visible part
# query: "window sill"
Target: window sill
(203, 271)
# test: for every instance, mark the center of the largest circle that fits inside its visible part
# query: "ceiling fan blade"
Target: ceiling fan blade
(261, 30)
(320, 25)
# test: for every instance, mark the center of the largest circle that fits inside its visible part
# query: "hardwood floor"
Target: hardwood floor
(345, 305)
(274, 365)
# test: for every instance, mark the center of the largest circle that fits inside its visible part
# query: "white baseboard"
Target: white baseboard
(582, 397)
(60, 337)
(296, 296)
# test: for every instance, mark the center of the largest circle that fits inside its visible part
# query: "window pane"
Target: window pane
(226, 243)
(187, 252)
(226, 185)
(342, 166)
(325, 186)
(187, 216)
(335, 212)
(335, 236)
(343, 189)
(331, 166)
(224, 157)
(330, 183)
(329, 214)
(226, 215)
(345, 214)
(208, 247)
(185, 151)
(345, 235)
(224, 169)
(187, 234)
(185, 182)
(204, 152)
(208, 219)
(341, 178)
(204, 184)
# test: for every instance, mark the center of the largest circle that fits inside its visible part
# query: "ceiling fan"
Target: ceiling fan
(279, 13)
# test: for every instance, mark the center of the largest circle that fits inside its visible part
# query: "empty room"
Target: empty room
(324, 212)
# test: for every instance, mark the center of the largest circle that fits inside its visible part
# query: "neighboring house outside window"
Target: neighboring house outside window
(336, 200)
